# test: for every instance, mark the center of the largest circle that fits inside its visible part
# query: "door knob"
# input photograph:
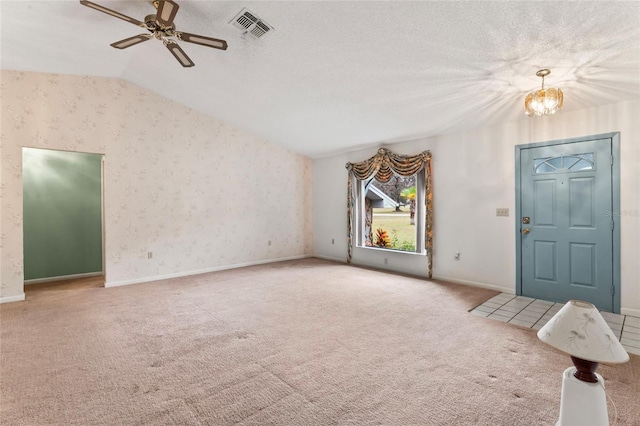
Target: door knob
(526, 231)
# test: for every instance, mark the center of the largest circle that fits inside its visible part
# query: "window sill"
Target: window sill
(411, 253)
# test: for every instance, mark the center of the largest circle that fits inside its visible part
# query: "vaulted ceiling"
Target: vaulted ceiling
(339, 75)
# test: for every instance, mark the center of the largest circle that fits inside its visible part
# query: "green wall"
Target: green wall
(62, 200)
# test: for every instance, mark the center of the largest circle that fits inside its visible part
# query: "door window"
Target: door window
(564, 163)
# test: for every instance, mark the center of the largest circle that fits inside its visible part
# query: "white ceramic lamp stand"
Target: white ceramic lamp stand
(579, 330)
(582, 403)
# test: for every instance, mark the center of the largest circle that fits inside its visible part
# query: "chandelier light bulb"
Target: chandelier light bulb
(543, 101)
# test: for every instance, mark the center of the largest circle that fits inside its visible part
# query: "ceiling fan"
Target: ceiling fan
(161, 27)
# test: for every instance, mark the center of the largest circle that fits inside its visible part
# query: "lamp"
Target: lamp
(579, 330)
(543, 101)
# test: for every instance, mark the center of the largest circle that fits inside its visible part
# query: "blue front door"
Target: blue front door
(566, 228)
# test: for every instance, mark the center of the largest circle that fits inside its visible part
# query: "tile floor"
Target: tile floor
(534, 313)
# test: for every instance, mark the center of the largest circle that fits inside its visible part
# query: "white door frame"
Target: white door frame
(103, 273)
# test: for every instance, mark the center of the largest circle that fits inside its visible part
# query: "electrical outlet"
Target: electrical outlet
(385, 261)
(149, 255)
(333, 241)
(269, 242)
(502, 212)
(456, 255)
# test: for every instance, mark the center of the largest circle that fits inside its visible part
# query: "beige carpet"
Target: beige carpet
(305, 342)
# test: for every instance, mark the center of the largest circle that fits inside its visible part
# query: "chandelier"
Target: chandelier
(543, 101)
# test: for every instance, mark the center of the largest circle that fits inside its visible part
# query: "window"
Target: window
(391, 214)
(564, 163)
(383, 166)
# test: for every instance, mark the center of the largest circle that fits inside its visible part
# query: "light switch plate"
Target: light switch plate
(502, 212)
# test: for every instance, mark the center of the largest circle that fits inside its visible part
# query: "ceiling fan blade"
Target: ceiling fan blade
(110, 12)
(167, 10)
(179, 54)
(128, 42)
(202, 40)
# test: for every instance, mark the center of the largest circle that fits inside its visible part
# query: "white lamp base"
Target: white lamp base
(582, 403)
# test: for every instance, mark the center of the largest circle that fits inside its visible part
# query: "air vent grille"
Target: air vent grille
(249, 23)
(246, 20)
(260, 29)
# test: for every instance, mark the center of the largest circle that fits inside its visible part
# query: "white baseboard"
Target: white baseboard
(201, 271)
(63, 277)
(7, 299)
(631, 312)
(476, 284)
(334, 259)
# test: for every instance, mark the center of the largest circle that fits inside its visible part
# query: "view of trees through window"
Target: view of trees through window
(390, 213)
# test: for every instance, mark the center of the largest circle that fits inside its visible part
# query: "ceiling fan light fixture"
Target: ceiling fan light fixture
(543, 101)
(161, 27)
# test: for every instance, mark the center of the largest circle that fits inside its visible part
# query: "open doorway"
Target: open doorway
(62, 216)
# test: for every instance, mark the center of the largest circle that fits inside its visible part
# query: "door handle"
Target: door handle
(526, 230)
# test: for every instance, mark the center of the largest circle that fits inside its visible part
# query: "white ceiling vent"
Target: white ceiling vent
(248, 22)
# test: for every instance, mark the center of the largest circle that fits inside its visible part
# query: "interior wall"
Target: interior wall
(196, 192)
(473, 174)
(62, 213)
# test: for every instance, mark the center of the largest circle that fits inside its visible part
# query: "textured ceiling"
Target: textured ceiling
(335, 76)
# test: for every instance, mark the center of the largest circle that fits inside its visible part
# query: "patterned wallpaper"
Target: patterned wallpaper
(197, 192)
